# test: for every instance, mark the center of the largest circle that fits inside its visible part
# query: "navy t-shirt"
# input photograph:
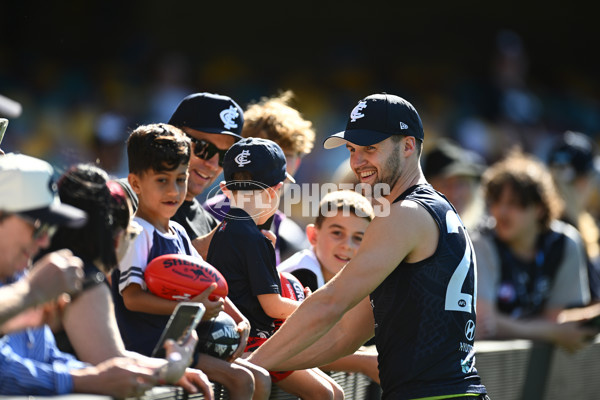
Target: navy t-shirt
(246, 258)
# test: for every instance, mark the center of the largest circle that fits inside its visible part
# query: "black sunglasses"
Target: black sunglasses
(40, 228)
(207, 150)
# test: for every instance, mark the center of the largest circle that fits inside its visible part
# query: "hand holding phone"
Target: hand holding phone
(182, 322)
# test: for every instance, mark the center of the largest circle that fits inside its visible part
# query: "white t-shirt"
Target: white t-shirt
(303, 260)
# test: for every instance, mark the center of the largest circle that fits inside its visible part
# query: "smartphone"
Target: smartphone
(182, 322)
(3, 125)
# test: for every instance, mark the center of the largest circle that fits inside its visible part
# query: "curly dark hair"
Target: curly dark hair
(85, 186)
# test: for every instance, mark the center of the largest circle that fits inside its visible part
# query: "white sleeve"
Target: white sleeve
(134, 261)
(488, 267)
(570, 287)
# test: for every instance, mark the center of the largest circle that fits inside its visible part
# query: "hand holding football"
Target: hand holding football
(180, 277)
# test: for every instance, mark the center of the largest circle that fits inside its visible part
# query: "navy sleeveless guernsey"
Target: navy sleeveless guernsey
(425, 313)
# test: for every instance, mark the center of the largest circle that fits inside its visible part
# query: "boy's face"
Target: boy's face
(337, 241)
(513, 220)
(202, 173)
(160, 193)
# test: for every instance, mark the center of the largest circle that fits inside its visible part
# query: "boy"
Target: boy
(335, 237)
(275, 119)
(158, 163)
(158, 159)
(254, 170)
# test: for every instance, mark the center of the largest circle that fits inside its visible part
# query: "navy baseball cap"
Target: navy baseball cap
(577, 151)
(262, 158)
(211, 113)
(376, 118)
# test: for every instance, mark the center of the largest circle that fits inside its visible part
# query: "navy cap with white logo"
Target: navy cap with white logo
(210, 113)
(263, 159)
(376, 118)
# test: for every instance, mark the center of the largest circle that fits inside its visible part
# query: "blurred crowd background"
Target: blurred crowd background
(488, 75)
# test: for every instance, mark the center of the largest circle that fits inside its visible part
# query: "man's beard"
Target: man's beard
(392, 169)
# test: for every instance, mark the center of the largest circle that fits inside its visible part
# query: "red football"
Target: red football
(180, 277)
(291, 288)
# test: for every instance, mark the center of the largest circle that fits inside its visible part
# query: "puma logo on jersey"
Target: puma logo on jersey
(242, 158)
(356, 111)
(228, 117)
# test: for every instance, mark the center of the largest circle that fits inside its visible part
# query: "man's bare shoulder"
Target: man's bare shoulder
(402, 215)
(408, 227)
(391, 234)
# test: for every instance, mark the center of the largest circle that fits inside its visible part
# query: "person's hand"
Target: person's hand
(117, 377)
(307, 292)
(179, 357)
(213, 306)
(30, 318)
(244, 330)
(55, 273)
(193, 379)
(269, 235)
(53, 312)
(176, 371)
(49, 313)
(571, 336)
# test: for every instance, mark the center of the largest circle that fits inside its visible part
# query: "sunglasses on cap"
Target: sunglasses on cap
(40, 228)
(206, 150)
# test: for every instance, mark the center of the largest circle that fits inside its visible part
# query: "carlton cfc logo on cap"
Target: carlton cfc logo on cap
(228, 117)
(242, 158)
(356, 111)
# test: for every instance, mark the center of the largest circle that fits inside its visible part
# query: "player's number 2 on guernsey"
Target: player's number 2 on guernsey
(455, 299)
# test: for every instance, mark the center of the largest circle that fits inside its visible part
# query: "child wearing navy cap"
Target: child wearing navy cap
(254, 170)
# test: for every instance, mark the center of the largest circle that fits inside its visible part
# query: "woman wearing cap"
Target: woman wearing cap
(89, 328)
